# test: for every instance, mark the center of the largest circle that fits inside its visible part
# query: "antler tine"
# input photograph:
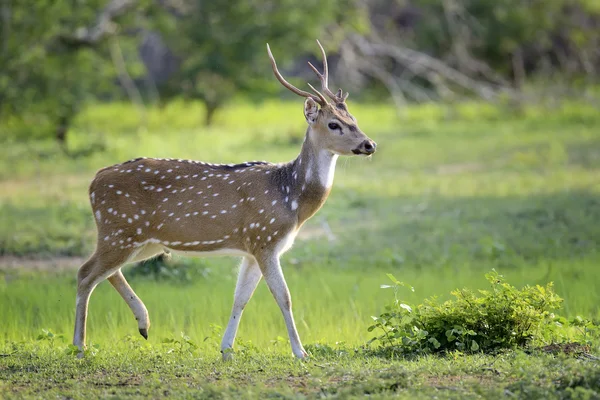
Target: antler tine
(324, 77)
(342, 95)
(316, 91)
(319, 98)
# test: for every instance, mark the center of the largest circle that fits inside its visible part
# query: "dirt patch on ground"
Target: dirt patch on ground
(40, 264)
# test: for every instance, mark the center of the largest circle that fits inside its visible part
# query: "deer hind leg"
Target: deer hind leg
(100, 266)
(248, 279)
(118, 281)
(271, 270)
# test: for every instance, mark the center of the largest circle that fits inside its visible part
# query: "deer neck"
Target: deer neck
(312, 176)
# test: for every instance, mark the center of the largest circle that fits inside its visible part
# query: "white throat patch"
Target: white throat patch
(322, 168)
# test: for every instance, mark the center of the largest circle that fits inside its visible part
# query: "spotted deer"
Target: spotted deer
(145, 207)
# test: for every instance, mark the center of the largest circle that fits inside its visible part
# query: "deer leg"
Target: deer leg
(271, 270)
(91, 273)
(118, 281)
(248, 279)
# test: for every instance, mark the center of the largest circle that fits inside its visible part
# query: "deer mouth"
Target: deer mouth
(363, 152)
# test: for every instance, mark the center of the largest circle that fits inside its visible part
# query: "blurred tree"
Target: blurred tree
(442, 49)
(222, 43)
(510, 37)
(53, 58)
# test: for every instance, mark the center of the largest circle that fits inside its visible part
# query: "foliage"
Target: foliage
(216, 49)
(498, 41)
(47, 74)
(500, 318)
(180, 345)
(223, 54)
(161, 269)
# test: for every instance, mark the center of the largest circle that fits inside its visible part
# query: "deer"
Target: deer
(148, 206)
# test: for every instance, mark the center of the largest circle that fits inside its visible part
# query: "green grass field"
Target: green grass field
(452, 193)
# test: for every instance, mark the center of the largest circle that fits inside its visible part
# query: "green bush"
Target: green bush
(161, 268)
(500, 318)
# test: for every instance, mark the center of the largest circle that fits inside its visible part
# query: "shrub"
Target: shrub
(183, 271)
(484, 321)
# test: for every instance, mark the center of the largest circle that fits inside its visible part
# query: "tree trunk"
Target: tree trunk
(62, 128)
(211, 109)
(518, 67)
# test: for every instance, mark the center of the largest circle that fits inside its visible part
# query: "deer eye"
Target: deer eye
(333, 126)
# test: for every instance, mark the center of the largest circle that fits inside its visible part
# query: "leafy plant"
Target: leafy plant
(180, 345)
(49, 336)
(161, 269)
(487, 320)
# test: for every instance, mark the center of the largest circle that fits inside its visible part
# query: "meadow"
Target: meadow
(452, 193)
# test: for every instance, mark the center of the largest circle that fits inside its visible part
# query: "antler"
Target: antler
(319, 98)
(338, 97)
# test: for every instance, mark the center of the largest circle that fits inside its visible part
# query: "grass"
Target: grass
(135, 370)
(451, 193)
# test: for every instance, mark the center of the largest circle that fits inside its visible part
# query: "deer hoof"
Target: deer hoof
(227, 354)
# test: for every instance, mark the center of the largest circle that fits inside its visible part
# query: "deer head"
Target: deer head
(331, 126)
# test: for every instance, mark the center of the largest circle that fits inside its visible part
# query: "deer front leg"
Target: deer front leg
(271, 270)
(248, 279)
(118, 281)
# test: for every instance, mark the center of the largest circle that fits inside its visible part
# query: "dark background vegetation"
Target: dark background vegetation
(58, 56)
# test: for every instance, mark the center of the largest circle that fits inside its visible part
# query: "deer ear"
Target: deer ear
(311, 110)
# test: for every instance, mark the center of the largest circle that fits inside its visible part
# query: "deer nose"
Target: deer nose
(369, 146)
